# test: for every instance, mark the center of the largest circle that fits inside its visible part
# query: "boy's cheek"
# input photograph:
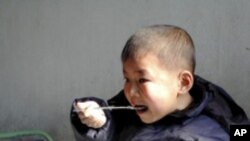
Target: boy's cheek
(127, 96)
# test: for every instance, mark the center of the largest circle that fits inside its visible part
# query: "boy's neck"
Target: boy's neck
(184, 101)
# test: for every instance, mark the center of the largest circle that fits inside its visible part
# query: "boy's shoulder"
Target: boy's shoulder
(202, 128)
(218, 103)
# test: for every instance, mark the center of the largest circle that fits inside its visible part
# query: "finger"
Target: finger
(77, 106)
(91, 112)
(84, 121)
(93, 120)
(87, 104)
(82, 105)
(96, 124)
(81, 115)
(87, 121)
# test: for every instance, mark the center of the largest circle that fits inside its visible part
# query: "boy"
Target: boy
(171, 102)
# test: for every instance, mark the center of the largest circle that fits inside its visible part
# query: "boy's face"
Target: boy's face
(149, 85)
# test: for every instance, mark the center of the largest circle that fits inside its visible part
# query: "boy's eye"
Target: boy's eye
(142, 80)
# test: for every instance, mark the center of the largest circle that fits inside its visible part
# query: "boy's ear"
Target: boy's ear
(186, 81)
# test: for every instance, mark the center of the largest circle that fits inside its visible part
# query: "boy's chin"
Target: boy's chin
(148, 121)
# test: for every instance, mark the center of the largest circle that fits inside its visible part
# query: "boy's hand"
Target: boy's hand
(90, 114)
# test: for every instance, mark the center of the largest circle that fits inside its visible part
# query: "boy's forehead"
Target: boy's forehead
(141, 65)
(139, 71)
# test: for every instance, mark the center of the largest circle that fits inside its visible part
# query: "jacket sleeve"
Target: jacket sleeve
(85, 133)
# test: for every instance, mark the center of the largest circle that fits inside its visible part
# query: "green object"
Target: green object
(16, 134)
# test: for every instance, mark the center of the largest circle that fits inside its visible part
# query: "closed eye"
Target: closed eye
(143, 80)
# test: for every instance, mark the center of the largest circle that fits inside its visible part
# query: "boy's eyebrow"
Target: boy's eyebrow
(140, 71)
(143, 72)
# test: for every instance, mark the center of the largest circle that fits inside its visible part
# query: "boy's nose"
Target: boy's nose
(134, 91)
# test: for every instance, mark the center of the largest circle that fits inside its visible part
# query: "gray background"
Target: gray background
(52, 51)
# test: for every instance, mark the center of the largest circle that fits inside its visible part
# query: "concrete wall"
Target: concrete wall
(52, 51)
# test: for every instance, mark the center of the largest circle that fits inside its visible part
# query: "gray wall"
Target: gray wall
(52, 51)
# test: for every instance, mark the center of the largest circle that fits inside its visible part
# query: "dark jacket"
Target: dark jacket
(208, 118)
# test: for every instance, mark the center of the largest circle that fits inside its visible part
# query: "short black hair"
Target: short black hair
(172, 45)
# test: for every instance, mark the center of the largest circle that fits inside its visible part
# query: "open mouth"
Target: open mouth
(141, 108)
